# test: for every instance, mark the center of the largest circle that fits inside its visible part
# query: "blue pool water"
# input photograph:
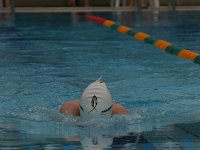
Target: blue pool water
(47, 59)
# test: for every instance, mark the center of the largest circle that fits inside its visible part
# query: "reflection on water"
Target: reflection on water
(6, 20)
(47, 135)
(7, 14)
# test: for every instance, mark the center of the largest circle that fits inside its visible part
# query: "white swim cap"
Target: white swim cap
(96, 100)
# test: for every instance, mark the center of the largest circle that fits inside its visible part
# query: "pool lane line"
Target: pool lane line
(141, 36)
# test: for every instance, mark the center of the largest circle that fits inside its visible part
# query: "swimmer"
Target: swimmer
(96, 100)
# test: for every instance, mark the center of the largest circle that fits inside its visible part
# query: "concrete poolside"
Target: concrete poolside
(96, 9)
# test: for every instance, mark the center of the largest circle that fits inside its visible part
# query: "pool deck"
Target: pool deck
(96, 9)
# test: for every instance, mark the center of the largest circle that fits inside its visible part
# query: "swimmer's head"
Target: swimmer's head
(96, 100)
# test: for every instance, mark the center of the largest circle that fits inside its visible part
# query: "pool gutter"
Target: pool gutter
(96, 9)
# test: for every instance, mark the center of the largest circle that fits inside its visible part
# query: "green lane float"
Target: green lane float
(141, 36)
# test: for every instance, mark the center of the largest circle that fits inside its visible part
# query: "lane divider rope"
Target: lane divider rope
(141, 36)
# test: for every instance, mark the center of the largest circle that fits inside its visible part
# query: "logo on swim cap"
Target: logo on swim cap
(94, 103)
(96, 100)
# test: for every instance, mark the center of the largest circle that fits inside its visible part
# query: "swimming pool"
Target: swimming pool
(47, 59)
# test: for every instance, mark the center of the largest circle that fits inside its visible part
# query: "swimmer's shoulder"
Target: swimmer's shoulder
(118, 109)
(72, 107)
